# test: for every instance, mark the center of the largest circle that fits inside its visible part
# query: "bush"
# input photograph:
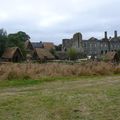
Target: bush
(72, 53)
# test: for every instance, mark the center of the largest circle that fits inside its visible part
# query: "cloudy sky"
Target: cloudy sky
(53, 20)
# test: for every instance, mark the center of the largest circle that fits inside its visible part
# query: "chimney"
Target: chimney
(115, 34)
(106, 35)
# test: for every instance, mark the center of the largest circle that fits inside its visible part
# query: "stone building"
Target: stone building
(76, 42)
(92, 46)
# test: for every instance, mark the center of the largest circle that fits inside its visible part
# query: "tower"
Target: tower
(77, 42)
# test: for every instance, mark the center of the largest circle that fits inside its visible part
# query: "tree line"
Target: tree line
(13, 40)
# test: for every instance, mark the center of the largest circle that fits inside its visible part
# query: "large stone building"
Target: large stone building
(93, 46)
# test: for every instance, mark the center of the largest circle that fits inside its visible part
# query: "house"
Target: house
(12, 54)
(29, 50)
(112, 56)
(28, 46)
(41, 54)
(37, 44)
(48, 45)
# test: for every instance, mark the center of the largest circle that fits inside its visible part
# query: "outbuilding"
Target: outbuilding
(12, 54)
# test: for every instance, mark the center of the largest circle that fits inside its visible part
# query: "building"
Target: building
(41, 54)
(49, 45)
(29, 50)
(46, 45)
(37, 44)
(12, 54)
(92, 46)
(111, 56)
(75, 42)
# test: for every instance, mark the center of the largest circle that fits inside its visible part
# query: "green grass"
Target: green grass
(28, 82)
(61, 98)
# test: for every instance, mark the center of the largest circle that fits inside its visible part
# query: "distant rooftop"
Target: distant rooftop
(37, 44)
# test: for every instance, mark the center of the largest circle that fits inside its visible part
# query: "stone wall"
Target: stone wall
(92, 46)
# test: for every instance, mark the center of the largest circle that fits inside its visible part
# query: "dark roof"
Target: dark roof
(44, 53)
(9, 52)
(37, 44)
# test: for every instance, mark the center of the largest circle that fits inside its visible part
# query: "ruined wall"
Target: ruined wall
(93, 46)
(77, 42)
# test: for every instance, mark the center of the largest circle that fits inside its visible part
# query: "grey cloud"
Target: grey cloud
(57, 19)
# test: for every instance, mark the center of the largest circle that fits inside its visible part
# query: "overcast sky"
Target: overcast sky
(53, 20)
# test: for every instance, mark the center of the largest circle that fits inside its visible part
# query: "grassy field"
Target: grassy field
(65, 98)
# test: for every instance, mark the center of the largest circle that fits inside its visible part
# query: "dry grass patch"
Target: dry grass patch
(35, 71)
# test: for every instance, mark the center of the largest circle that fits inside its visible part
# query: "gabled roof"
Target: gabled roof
(28, 44)
(9, 52)
(110, 55)
(115, 39)
(44, 53)
(93, 39)
(37, 44)
(48, 45)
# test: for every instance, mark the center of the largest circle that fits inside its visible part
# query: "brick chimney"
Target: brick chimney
(106, 35)
(115, 34)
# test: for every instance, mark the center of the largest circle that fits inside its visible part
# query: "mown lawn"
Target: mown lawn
(84, 98)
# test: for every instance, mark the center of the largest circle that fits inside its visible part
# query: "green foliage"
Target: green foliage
(103, 58)
(58, 47)
(53, 51)
(13, 40)
(82, 55)
(118, 52)
(72, 53)
(3, 41)
(18, 40)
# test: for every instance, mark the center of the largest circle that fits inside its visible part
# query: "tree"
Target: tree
(3, 41)
(58, 47)
(18, 40)
(72, 53)
(118, 52)
(19, 36)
